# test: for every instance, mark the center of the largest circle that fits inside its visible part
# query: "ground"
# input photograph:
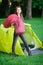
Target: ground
(6, 59)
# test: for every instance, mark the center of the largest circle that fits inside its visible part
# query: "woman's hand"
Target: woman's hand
(13, 24)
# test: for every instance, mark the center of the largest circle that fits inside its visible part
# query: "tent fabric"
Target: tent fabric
(6, 40)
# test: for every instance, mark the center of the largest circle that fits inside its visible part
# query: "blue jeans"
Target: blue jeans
(24, 41)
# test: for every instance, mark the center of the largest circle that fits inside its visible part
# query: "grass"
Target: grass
(37, 26)
(6, 59)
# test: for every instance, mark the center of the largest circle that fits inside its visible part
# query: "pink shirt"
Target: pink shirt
(19, 24)
(21, 27)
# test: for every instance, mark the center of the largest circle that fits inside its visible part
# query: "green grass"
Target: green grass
(6, 59)
(2, 20)
(37, 26)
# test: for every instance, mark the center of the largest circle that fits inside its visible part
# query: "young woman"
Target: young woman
(19, 31)
(17, 21)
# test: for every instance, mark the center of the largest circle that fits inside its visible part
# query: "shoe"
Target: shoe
(29, 53)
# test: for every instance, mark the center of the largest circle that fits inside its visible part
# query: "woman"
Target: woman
(19, 31)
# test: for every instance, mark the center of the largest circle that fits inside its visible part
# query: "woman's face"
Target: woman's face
(18, 10)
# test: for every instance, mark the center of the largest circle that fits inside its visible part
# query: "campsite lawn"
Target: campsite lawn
(6, 59)
(37, 26)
